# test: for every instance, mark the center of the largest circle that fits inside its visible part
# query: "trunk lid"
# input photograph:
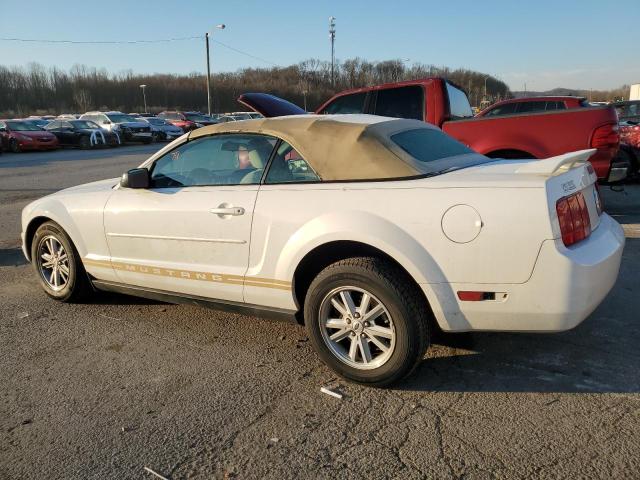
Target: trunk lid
(561, 176)
(269, 105)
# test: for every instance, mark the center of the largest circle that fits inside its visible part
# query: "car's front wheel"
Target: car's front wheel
(58, 264)
(367, 320)
(14, 146)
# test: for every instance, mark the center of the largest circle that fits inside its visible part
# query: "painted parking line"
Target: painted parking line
(631, 230)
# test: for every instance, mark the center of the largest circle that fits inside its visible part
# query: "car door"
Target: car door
(189, 231)
(66, 133)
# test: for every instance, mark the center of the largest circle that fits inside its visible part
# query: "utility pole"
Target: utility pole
(144, 97)
(206, 38)
(221, 26)
(332, 36)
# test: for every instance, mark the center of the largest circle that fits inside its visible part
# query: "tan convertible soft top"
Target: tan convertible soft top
(337, 147)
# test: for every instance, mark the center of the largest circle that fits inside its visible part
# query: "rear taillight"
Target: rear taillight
(573, 216)
(606, 136)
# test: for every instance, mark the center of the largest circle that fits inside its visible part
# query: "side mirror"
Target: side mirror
(106, 122)
(135, 178)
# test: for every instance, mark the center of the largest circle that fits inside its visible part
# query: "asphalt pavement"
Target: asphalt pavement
(104, 389)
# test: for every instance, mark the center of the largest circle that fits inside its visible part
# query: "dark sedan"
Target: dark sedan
(81, 133)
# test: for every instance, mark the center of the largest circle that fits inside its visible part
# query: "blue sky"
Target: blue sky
(580, 44)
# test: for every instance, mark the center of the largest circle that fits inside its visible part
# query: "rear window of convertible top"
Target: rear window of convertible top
(427, 145)
(435, 151)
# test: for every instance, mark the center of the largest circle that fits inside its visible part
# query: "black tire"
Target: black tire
(14, 146)
(398, 294)
(85, 142)
(77, 287)
(147, 141)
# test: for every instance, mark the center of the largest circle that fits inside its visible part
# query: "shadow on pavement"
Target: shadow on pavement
(11, 257)
(111, 298)
(601, 355)
(31, 159)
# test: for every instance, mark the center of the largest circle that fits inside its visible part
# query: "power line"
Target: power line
(244, 53)
(129, 42)
(95, 42)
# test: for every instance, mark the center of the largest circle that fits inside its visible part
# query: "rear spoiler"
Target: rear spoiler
(551, 165)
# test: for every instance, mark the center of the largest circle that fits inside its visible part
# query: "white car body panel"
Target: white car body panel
(169, 240)
(174, 230)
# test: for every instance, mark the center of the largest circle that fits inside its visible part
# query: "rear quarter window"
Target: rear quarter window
(530, 107)
(401, 102)
(506, 109)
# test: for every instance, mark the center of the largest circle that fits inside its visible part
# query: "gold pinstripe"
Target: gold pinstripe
(191, 274)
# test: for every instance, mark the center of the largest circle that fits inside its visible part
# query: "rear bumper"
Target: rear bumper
(566, 285)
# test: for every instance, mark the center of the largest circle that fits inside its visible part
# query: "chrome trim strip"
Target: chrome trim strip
(186, 239)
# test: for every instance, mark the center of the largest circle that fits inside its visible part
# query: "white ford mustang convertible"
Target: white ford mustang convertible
(371, 231)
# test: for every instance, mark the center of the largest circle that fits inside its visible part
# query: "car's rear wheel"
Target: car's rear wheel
(14, 146)
(58, 264)
(367, 320)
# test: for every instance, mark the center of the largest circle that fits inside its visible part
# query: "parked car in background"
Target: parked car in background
(540, 134)
(630, 146)
(37, 121)
(629, 110)
(244, 115)
(318, 219)
(161, 130)
(18, 136)
(68, 116)
(200, 119)
(82, 134)
(533, 104)
(229, 118)
(128, 129)
(179, 120)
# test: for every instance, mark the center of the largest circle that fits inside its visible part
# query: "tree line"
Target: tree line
(37, 90)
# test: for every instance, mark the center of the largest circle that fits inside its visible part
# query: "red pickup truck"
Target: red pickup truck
(538, 134)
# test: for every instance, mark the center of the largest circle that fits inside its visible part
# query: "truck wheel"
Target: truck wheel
(58, 264)
(367, 320)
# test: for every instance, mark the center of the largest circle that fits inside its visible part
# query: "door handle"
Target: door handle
(224, 210)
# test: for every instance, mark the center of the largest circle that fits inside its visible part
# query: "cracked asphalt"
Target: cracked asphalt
(101, 390)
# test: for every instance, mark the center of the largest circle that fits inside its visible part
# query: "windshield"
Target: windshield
(38, 122)
(23, 127)
(196, 117)
(156, 121)
(121, 118)
(83, 124)
(435, 151)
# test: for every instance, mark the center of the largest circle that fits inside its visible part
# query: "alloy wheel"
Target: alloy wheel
(357, 327)
(53, 263)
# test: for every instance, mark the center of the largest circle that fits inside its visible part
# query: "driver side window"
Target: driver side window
(235, 159)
